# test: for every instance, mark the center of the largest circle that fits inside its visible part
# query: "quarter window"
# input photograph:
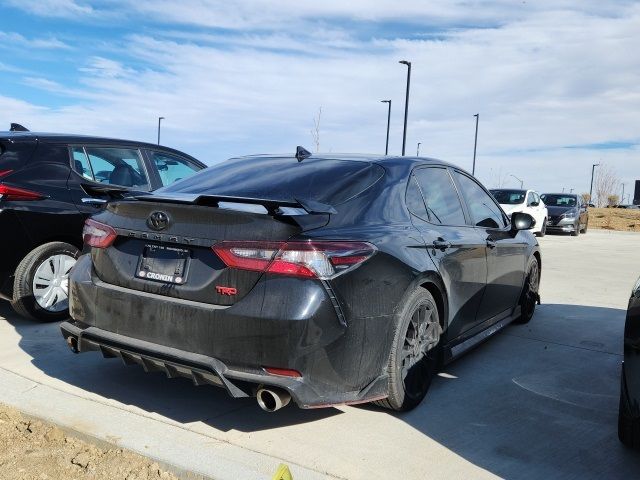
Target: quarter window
(440, 196)
(415, 202)
(81, 162)
(483, 209)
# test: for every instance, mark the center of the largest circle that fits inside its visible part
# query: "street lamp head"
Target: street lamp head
(385, 101)
(405, 62)
(160, 118)
(476, 114)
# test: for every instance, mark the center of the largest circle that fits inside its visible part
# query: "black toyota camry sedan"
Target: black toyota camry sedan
(323, 279)
(629, 413)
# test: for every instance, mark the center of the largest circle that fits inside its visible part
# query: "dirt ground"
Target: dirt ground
(620, 219)
(34, 450)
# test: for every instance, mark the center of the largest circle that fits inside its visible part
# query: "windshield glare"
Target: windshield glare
(559, 200)
(509, 197)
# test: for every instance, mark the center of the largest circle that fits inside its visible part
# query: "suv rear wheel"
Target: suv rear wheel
(416, 353)
(40, 288)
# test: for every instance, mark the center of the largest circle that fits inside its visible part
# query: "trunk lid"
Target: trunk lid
(174, 236)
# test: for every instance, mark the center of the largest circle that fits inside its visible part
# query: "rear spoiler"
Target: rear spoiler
(273, 207)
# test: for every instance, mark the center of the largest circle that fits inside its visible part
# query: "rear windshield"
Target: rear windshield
(509, 197)
(559, 200)
(322, 180)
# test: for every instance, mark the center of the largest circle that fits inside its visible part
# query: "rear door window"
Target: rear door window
(483, 209)
(172, 168)
(440, 196)
(111, 165)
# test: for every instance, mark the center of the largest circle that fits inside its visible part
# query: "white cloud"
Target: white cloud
(53, 8)
(544, 77)
(13, 38)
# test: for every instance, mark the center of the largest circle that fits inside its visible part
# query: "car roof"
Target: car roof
(74, 138)
(388, 161)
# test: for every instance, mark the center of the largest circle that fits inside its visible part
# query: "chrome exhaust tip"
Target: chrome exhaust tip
(272, 400)
(72, 342)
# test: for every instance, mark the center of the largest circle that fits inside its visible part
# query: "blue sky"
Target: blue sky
(557, 83)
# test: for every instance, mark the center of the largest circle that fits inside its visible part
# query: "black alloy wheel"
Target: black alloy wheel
(416, 353)
(530, 293)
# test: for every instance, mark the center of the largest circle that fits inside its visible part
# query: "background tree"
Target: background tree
(499, 178)
(586, 198)
(315, 131)
(605, 183)
(613, 200)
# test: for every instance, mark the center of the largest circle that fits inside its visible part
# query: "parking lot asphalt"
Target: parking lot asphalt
(535, 401)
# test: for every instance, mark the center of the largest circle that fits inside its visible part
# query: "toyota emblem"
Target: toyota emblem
(158, 221)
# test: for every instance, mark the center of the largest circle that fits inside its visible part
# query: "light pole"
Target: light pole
(622, 193)
(159, 120)
(519, 179)
(475, 145)
(593, 167)
(418, 150)
(406, 104)
(386, 149)
(571, 191)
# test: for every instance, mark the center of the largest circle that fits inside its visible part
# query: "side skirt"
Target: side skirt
(460, 346)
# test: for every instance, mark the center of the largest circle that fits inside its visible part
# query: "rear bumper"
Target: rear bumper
(291, 325)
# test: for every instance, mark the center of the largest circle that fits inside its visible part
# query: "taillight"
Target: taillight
(312, 259)
(96, 234)
(15, 193)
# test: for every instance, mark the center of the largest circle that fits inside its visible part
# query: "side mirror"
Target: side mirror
(522, 221)
(534, 204)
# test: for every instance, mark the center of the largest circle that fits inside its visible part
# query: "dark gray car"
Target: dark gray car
(567, 213)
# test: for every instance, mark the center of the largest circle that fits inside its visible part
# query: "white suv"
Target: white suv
(527, 201)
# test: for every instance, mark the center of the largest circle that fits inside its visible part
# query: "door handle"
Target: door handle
(441, 244)
(491, 243)
(96, 202)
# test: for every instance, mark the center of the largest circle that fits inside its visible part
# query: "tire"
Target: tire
(586, 226)
(529, 296)
(628, 427)
(576, 230)
(45, 300)
(421, 360)
(543, 230)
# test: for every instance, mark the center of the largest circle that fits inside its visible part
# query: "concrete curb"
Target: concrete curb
(189, 455)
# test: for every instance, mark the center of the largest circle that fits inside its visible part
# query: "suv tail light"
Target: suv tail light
(15, 193)
(96, 234)
(312, 259)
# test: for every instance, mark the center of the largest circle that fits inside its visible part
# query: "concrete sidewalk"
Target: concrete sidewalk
(535, 401)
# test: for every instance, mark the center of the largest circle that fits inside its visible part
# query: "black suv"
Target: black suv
(49, 185)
